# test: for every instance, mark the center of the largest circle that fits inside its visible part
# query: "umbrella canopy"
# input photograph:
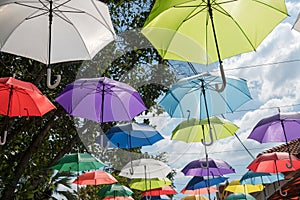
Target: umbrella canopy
(170, 27)
(162, 197)
(77, 162)
(114, 190)
(273, 163)
(118, 198)
(296, 25)
(215, 168)
(194, 130)
(198, 182)
(196, 96)
(95, 178)
(145, 168)
(160, 191)
(236, 187)
(254, 178)
(20, 98)
(54, 31)
(148, 184)
(240, 196)
(199, 191)
(101, 100)
(132, 135)
(196, 197)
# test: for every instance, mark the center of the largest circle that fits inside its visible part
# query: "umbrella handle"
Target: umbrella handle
(211, 139)
(281, 193)
(290, 165)
(207, 164)
(58, 78)
(223, 80)
(2, 142)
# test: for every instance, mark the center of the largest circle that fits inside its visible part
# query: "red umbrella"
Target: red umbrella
(20, 98)
(160, 191)
(199, 191)
(118, 198)
(273, 163)
(95, 178)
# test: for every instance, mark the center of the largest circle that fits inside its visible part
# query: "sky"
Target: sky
(273, 78)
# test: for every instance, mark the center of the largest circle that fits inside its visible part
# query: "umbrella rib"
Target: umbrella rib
(258, 1)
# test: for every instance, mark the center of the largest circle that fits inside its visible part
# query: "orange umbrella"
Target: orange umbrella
(95, 178)
(199, 191)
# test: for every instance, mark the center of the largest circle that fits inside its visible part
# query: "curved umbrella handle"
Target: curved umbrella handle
(223, 80)
(281, 193)
(2, 142)
(207, 164)
(290, 165)
(211, 139)
(58, 79)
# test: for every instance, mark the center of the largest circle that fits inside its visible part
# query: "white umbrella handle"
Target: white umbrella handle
(281, 193)
(2, 142)
(58, 78)
(223, 80)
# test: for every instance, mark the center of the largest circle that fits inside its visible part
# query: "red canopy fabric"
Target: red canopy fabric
(160, 191)
(95, 178)
(118, 198)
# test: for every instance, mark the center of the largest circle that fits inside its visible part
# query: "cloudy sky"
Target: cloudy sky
(273, 77)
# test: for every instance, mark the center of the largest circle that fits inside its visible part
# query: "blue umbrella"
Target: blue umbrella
(198, 182)
(132, 135)
(260, 178)
(161, 197)
(239, 196)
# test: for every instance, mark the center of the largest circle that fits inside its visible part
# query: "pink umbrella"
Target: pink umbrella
(95, 178)
(118, 198)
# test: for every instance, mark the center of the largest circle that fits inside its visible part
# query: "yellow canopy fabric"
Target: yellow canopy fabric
(236, 187)
(195, 198)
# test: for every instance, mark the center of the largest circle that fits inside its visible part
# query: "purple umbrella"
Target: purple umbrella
(215, 168)
(277, 128)
(101, 100)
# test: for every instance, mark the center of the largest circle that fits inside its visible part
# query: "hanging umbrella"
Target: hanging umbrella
(101, 100)
(273, 163)
(132, 135)
(95, 178)
(196, 197)
(145, 168)
(161, 197)
(198, 182)
(277, 128)
(215, 168)
(240, 196)
(194, 130)
(114, 190)
(20, 98)
(236, 187)
(160, 191)
(118, 198)
(149, 184)
(206, 31)
(296, 25)
(200, 191)
(54, 31)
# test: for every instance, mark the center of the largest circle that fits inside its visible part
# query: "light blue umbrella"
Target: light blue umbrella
(260, 178)
(239, 196)
(197, 97)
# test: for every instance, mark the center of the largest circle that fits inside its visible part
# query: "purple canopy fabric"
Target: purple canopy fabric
(215, 168)
(270, 129)
(101, 100)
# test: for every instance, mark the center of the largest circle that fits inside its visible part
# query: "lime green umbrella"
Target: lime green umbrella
(194, 130)
(207, 31)
(148, 184)
(114, 190)
(77, 162)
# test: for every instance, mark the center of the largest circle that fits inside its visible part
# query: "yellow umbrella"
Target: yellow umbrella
(236, 187)
(197, 197)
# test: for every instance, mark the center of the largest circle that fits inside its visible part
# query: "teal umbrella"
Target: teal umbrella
(114, 190)
(239, 196)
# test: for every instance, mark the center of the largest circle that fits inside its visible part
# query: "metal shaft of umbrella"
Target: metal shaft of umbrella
(207, 164)
(2, 142)
(287, 145)
(130, 153)
(217, 47)
(244, 146)
(262, 182)
(279, 185)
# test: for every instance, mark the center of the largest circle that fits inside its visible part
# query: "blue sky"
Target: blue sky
(271, 86)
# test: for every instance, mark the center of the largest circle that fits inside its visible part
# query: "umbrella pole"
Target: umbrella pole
(58, 77)
(130, 154)
(244, 146)
(279, 185)
(262, 182)
(2, 142)
(287, 145)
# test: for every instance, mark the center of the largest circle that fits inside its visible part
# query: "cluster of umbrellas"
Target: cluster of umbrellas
(199, 98)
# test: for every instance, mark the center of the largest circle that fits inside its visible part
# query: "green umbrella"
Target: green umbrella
(194, 130)
(114, 190)
(148, 184)
(77, 162)
(207, 31)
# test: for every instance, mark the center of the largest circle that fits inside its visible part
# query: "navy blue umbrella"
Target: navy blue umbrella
(162, 197)
(198, 182)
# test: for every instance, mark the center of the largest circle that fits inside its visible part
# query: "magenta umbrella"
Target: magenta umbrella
(278, 128)
(101, 100)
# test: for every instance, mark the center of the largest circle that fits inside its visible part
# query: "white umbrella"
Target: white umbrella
(296, 25)
(78, 30)
(145, 168)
